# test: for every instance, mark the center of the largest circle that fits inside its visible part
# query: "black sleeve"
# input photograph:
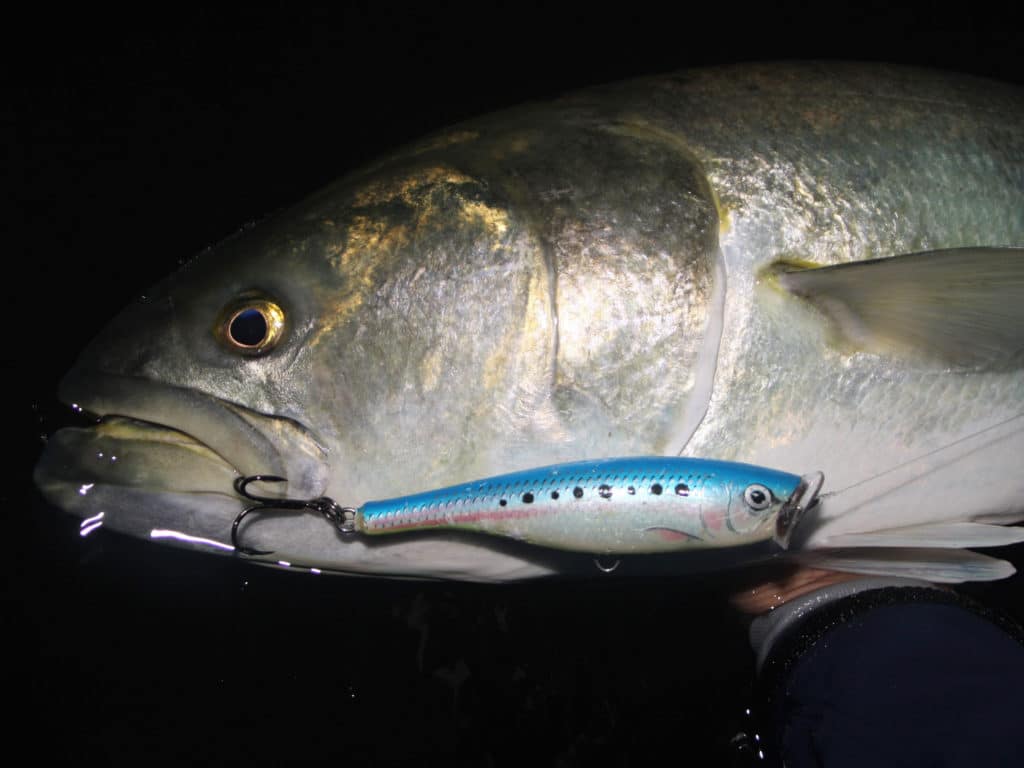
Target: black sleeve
(895, 676)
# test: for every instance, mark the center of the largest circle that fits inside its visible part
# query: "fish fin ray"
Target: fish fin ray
(950, 566)
(927, 491)
(1001, 518)
(940, 535)
(963, 307)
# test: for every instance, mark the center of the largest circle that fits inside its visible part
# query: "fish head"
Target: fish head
(425, 321)
(182, 408)
(375, 340)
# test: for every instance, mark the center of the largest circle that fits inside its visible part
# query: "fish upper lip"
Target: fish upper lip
(215, 423)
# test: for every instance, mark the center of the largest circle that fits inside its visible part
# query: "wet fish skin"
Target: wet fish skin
(563, 281)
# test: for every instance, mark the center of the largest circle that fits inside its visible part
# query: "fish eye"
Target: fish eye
(251, 325)
(757, 497)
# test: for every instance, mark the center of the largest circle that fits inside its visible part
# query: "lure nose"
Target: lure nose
(803, 498)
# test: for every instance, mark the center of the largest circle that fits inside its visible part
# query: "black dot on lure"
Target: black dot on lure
(605, 491)
(656, 489)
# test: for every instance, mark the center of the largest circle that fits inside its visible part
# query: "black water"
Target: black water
(135, 144)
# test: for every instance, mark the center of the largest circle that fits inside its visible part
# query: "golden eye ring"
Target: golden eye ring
(251, 325)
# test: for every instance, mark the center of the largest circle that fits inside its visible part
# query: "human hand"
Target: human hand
(779, 589)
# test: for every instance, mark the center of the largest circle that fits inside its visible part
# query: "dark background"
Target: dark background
(131, 143)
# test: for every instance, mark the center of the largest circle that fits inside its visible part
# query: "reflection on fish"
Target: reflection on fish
(794, 266)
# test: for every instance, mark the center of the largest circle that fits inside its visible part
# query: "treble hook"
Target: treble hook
(343, 518)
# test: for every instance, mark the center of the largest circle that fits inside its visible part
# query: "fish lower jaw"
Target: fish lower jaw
(142, 479)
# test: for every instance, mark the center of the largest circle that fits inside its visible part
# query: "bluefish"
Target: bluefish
(808, 267)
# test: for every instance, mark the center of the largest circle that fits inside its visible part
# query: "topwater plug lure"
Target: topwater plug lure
(609, 506)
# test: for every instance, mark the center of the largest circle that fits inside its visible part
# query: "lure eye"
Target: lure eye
(251, 325)
(757, 497)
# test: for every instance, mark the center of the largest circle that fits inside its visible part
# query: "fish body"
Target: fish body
(617, 272)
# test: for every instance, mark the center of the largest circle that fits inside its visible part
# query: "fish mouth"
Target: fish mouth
(160, 465)
(161, 460)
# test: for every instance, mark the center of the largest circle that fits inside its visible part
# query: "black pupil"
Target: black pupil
(757, 497)
(248, 328)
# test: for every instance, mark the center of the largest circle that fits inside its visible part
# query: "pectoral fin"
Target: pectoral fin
(950, 566)
(963, 307)
(938, 535)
